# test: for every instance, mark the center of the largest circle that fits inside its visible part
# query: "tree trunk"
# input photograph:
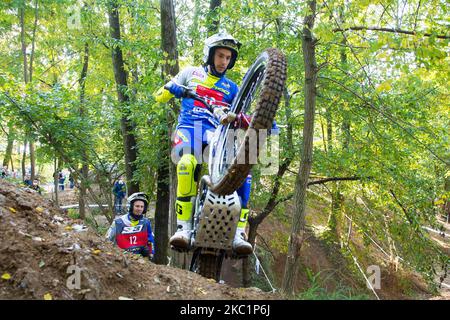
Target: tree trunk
(164, 211)
(335, 218)
(298, 221)
(25, 71)
(84, 166)
(10, 144)
(24, 45)
(252, 231)
(33, 39)
(30, 78)
(121, 75)
(343, 56)
(82, 194)
(446, 207)
(194, 32)
(24, 158)
(213, 18)
(329, 128)
(32, 161)
(391, 243)
(55, 180)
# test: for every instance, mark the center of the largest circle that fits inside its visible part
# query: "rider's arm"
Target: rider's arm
(111, 234)
(164, 95)
(151, 241)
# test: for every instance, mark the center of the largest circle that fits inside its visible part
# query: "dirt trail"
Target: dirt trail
(42, 252)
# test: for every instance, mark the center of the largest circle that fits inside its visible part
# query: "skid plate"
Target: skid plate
(218, 221)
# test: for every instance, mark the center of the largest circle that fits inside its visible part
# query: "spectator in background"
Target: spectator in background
(27, 181)
(61, 179)
(119, 191)
(71, 181)
(4, 172)
(35, 186)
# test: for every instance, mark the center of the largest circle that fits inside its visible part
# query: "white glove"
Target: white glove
(223, 116)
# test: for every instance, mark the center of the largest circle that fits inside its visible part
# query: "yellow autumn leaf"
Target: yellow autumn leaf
(96, 251)
(385, 86)
(39, 209)
(200, 290)
(6, 276)
(48, 296)
(68, 228)
(12, 210)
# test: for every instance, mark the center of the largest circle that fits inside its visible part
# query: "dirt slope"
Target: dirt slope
(41, 249)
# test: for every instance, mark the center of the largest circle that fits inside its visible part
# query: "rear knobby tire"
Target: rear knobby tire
(208, 265)
(273, 63)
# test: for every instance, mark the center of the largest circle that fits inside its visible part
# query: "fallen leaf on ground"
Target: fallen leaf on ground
(6, 276)
(200, 290)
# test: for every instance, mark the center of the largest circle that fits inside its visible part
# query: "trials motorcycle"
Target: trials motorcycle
(217, 206)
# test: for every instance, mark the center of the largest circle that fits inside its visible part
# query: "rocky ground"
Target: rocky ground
(46, 255)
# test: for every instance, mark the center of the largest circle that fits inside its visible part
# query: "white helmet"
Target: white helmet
(137, 196)
(220, 40)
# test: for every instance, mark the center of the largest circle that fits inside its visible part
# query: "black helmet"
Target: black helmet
(137, 196)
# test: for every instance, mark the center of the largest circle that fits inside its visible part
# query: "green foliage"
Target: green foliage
(279, 242)
(73, 213)
(383, 97)
(317, 290)
(259, 280)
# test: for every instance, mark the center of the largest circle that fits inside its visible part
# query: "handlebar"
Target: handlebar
(243, 121)
(192, 95)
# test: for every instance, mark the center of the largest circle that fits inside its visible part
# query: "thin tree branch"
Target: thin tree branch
(267, 247)
(322, 181)
(392, 30)
(3, 129)
(417, 15)
(401, 206)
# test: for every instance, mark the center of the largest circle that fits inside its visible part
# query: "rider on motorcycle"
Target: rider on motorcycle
(196, 126)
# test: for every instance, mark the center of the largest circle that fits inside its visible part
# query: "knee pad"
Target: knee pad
(184, 210)
(185, 173)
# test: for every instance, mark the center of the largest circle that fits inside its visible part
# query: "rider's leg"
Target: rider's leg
(186, 189)
(240, 245)
(187, 143)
